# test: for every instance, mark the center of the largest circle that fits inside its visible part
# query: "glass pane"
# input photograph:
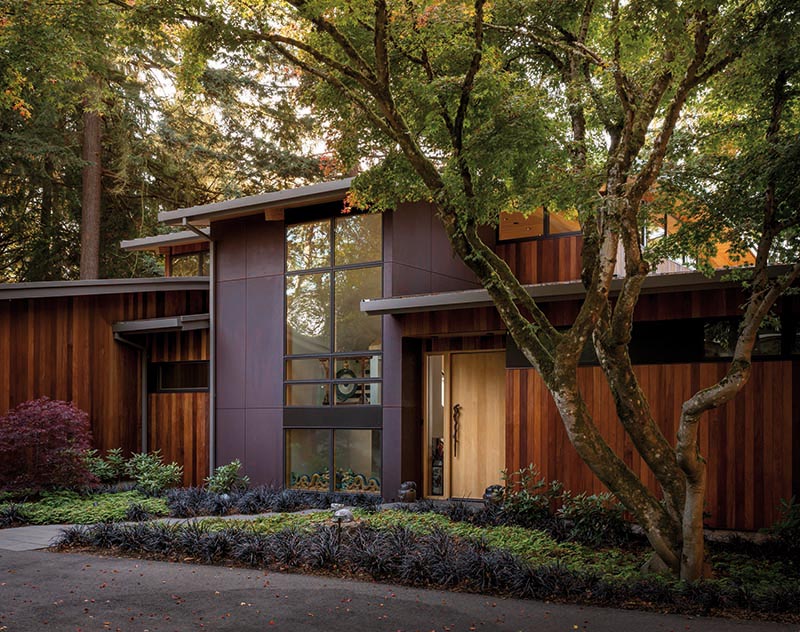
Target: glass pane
(352, 368)
(563, 224)
(308, 299)
(769, 341)
(355, 330)
(307, 369)
(184, 265)
(359, 239)
(203, 264)
(719, 339)
(308, 246)
(179, 376)
(521, 225)
(308, 459)
(307, 395)
(357, 460)
(435, 419)
(357, 393)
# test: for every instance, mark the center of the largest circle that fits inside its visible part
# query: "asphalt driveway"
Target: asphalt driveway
(41, 590)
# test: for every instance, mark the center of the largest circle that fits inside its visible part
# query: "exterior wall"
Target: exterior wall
(249, 320)
(748, 442)
(64, 348)
(544, 260)
(752, 443)
(177, 423)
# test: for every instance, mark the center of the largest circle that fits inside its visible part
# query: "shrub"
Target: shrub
(528, 500)
(41, 445)
(226, 479)
(593, 520)
(109, 469)
(787, 529)
(151, 474)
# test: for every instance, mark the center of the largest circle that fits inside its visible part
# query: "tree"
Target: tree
(479, 107)
(99, 132)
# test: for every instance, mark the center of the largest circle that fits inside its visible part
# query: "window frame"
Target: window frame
(331, 430)
(155, 383)
(331, 381)
(546, 234)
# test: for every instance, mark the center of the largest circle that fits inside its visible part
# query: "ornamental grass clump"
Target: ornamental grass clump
(426, 559)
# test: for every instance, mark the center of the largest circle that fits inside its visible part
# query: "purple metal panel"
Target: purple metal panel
(411, 235)
(264, 343)
(443, 260)
(392, 361)
(230, 435)
(230, 344)
(264, 247)
(264, 449)
(442, 283)
(409, 280)
(229, 249)
(392, 441)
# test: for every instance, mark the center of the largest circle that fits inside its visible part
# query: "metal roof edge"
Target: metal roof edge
(153, 242)
(546, 292)
(308, 194)
(97, 287)
(188, 322)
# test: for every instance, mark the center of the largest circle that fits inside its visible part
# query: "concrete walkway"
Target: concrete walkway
(41, 590)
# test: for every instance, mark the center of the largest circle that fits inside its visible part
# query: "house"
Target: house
(352, 352)
(132, 353)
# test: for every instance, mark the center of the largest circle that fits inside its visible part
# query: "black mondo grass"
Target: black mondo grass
(436, 559)
(12, 515)
(136, 513)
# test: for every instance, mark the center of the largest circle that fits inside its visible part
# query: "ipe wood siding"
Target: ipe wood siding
(177, 423)
(748, 442)
(544, 260)
(64, 348)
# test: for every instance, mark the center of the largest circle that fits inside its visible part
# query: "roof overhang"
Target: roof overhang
(182, 238)
(188, 322)
(545, 292)
(96, 287)
(251, 205)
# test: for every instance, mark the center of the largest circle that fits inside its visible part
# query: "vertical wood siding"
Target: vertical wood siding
(748, 442)
(64, 348)
(178, 426)
(178, 422)
(544, 260)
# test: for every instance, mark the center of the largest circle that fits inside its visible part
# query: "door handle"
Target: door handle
(456, 425)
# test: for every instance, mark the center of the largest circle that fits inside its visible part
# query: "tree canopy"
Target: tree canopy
(614, 112)
(170, 137)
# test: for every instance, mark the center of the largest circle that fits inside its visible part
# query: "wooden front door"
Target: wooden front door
(477, 422)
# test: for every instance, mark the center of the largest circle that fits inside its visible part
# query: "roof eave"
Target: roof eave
(287, 198)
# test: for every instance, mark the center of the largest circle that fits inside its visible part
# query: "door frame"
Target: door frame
(448, 420)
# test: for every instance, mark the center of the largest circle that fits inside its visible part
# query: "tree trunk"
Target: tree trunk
(91, 195)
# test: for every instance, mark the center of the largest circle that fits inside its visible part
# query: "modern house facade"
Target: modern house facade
(352, 352)
(347, 351)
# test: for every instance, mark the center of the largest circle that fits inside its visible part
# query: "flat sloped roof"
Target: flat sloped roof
(154, 242)
(300, 196)
(542, 292)
(48, 289)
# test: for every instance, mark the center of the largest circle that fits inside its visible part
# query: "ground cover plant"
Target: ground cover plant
(429, 549)
(70, 507)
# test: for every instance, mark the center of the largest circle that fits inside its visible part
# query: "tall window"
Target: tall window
(333, 350)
